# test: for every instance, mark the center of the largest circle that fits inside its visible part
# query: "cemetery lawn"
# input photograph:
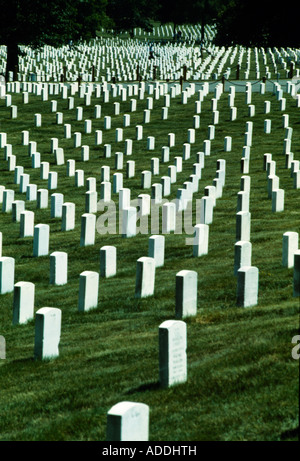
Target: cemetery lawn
(243, 383)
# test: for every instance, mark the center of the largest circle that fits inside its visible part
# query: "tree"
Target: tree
(126, 15)
(52, 22)
(258, 23)
(188, 12)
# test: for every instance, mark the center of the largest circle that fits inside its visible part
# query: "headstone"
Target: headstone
(201, 239)
(290, 243)
(7, 200)
(105, 191)
(144, 205)
(119, 160)
(41, 240)
(24, 181)
(88, 229)
(227, 143)
(68, 216)
(247, 286)
(52, 180)
(23, 302)
(107, 150)
(145, 277)
(146, 179)
(91, 200)
(156, 193)
(165, 154)
(172, 353)
(186, 294)
(206, 210)
(243, 200)
(17, 207)
(117, 182)
(243, 226)
(88, 291)
(58, 268)
(31, 192)
(7, 274)
(156, 249)
(278, 200)
(44, 170)
(296, 276)
(171, 140)
(155, 166)
(130, 169)
(129, 219)
(168, 217)
(47, 333)
(108, 261)
(85, 153)
(139, 132)
(36, 160)
(119, 134)
(128, 147)
(77, 139)
(128, 421)
(242, 255)
(26, 224)
(79, 178)
(246, 184)
(57, 201)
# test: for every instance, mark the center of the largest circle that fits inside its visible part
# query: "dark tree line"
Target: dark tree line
(258, 23)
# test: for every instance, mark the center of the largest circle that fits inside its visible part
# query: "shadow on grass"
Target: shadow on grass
(291, 434)
(145, 387)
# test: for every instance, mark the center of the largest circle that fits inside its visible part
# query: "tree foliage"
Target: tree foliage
(126, 15)
(187, 11)
(52, 22)
(258, 23)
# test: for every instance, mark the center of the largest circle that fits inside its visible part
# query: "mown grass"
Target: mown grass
(242, 381)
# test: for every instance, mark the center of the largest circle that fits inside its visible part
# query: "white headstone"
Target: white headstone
(88, 291)
(108, 261)
(41, 240)
(247, 286)
(23, 302)
(242, 255)
(26, 224)
(58, 268)
(57, 201)
(186, 294)
(128, 421)
(172, 353)
(7, 274)
(296, 276)
(243, 226)
(68, 216)
(156, 249)
(145, 277)
(47, 333)
(88, 229)
(290, 243)
(201, 238)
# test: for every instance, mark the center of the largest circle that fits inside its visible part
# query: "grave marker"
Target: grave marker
(47, 333)
(172, 353)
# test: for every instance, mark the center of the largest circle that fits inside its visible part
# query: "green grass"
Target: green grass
(242, 381)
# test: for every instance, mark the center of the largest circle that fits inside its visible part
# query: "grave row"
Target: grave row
(128, 61)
